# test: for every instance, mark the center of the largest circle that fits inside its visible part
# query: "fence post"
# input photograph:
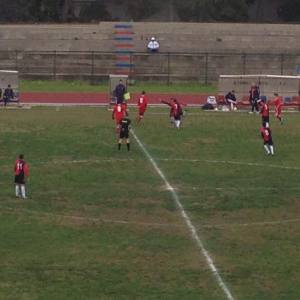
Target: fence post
(16, 60)
(281, 63)
(206, 69)
(244, 63)
(54, 65)
(130, 67)
(168, 78)
(92, 81)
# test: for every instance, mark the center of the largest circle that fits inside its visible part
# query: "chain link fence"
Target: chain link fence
(168, 67)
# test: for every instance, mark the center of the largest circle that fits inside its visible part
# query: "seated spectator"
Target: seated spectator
(8, 95)
(153, 45)
(211, 103)
(230, 100)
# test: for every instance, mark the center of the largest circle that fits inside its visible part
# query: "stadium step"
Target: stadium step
(124, 48)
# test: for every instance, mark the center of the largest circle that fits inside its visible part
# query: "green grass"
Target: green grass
(83, 86)
(100, 224)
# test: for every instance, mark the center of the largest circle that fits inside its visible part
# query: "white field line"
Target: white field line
(187, 220)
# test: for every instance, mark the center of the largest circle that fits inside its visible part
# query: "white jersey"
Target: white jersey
(153, 45)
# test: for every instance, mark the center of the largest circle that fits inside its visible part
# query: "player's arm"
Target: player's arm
(166, 102)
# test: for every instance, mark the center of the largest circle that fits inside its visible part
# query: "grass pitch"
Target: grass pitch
(84, 86)
(100, 224)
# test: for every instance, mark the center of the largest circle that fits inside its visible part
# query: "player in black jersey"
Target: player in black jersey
(124, 132)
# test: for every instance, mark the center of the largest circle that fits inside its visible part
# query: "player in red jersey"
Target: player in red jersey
(278, 107)
(119, 112)
(264, 111)
(21, 170)
(142, 106)
(175, 111)
(266, 134)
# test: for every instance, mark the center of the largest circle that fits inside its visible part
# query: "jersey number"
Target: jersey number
(19, 166)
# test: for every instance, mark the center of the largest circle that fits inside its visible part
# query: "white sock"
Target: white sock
(23, 191)
(267, 149)
(17, 190)
(177, 123)
(272, 149)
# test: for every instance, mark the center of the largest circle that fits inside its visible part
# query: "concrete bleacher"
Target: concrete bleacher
(174, 37)
(204, 50)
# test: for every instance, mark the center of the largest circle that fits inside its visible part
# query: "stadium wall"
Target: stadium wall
(173, 37)
(189, 51)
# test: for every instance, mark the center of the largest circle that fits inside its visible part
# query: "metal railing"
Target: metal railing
(167, 67)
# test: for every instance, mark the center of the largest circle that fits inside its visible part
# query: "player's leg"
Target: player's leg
(279, 117)
(177, 123)
(119, 143)
(172, 119)
(23, 191)
(18, 190)
(117, 127)
(271, 147)
(266, 146)
(140, 116)
(256, 106)
(128, 144)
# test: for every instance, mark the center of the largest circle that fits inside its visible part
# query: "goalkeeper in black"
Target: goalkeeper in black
(124, 132)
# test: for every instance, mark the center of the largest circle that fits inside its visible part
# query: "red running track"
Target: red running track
(103, 98)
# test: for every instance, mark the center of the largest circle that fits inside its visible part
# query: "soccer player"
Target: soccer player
(278, 107)
(21, 170)
(142, 106)
(264, 111)
(119, 91)
(254, 95)
(266, 134)
(119, 112)
(124, 133)
(175, 112)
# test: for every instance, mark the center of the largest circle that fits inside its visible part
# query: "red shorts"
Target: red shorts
(278, 110)
(142, 111)
(118, 121)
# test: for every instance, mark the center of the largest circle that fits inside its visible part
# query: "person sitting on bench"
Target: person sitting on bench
(230, 100)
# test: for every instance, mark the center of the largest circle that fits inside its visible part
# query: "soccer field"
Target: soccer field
(152, 223)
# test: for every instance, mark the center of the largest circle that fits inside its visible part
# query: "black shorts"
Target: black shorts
(124, 134)
(269, 142)
(20, 179)
(178, 117)
(265, 119)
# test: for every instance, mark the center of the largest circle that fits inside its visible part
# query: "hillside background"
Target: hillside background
(150, 10)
